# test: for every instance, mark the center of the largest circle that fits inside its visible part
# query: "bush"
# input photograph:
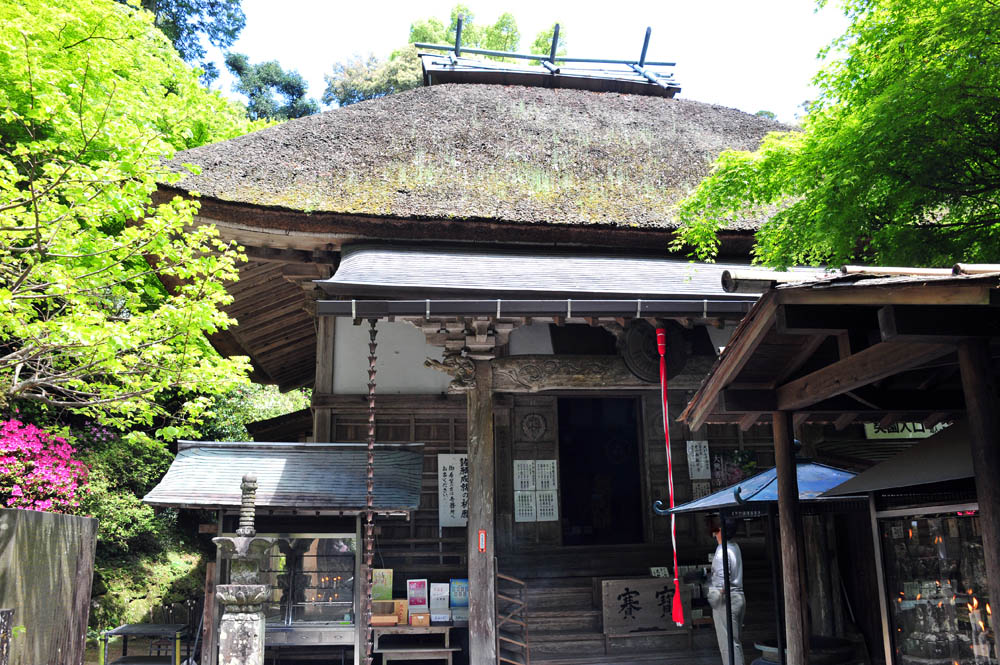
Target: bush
(122, 471)
(37, 470)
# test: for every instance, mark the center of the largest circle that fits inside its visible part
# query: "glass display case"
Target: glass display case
(312, 580)
(314, 598)
(935, 577)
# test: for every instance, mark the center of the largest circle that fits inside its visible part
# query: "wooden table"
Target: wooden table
(172, 631)
(414, 652)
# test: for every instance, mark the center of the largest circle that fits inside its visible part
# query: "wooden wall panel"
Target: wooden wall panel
(418, 546)
(534, 435)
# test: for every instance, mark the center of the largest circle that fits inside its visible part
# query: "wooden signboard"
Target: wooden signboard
(640, 604)
(453, 489)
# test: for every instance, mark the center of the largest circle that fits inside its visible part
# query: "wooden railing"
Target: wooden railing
(512, 620)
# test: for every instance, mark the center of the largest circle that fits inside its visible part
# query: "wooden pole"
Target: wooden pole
(208, 609)
(790, 522)
(323, 385)
(982, 404)
(482, 579)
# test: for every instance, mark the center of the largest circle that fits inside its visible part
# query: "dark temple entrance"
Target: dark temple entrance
(599, 471)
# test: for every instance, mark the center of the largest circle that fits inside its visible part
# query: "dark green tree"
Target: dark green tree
(263, 81)
(898, 160)
(186, 22)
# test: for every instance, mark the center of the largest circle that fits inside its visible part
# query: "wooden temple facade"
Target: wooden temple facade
(509, 245)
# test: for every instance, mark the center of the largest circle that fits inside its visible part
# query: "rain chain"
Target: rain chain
(370, 496)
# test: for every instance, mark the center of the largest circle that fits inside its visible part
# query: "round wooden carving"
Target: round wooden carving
(533, 426)
(640, 353)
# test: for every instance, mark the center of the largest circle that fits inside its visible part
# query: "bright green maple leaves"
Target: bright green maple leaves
(898, 161)
(92, 98)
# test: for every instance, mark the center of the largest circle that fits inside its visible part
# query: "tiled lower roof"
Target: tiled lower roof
(325, 476)
(377, 270)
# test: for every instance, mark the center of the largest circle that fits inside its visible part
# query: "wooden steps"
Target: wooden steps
(698, 657)
(579, 620)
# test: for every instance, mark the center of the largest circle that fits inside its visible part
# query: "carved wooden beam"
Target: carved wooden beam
(530, 374)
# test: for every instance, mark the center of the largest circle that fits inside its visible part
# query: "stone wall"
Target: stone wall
(48, 564)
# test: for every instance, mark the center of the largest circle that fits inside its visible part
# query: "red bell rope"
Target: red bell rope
(676, 610)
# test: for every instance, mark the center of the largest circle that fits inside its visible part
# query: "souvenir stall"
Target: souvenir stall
(934, 596)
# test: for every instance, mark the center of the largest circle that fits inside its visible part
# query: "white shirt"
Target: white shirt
(735, 568)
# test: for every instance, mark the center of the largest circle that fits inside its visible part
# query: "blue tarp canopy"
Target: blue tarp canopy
(814, 479)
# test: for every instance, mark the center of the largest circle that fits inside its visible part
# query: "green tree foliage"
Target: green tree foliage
(186, 22)
(261, 82)
(503, 35)
(471, 33)
(429, 31)
(92, 98)
(230, 414)
(898, 160)
(768, 115)
(543, 41)
(362, 78)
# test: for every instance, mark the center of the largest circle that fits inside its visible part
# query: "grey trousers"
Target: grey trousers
(717, 600)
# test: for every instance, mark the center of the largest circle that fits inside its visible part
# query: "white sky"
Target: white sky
(748, 54)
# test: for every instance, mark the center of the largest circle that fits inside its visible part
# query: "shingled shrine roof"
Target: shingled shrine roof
(313, 476)
(505, 154)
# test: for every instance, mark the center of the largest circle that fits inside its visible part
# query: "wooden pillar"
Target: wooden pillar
(208, 609)
(792, 549)
(982, 405)
(819, 571)
(323, 385)
(482, 580)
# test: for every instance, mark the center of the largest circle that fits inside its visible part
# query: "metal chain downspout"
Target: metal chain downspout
(370, 496)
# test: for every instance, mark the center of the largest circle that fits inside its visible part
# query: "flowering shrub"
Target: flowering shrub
(37, 470)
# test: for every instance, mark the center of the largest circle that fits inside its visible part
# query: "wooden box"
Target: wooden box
(420, 619)
(402, 610)
(384, 620)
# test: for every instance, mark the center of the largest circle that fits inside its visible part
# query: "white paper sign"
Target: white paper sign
(699, 461)
(453, 490)
(545, 475)
(524, 474)
(700, 488)
(547, 506)
(524, 506)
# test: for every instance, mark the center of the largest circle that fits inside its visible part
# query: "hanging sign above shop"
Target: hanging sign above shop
(901, 431)
(453, 490)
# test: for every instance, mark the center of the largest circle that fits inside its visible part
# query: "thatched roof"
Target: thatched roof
(504, 154)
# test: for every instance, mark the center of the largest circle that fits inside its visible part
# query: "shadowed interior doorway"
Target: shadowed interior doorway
(599, 470)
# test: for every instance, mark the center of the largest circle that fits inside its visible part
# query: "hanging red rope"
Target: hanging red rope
(677, 611)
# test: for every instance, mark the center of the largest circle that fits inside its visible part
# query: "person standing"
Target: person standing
(717, 593)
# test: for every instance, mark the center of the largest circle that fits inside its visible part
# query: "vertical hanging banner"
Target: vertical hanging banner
(453, 489)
